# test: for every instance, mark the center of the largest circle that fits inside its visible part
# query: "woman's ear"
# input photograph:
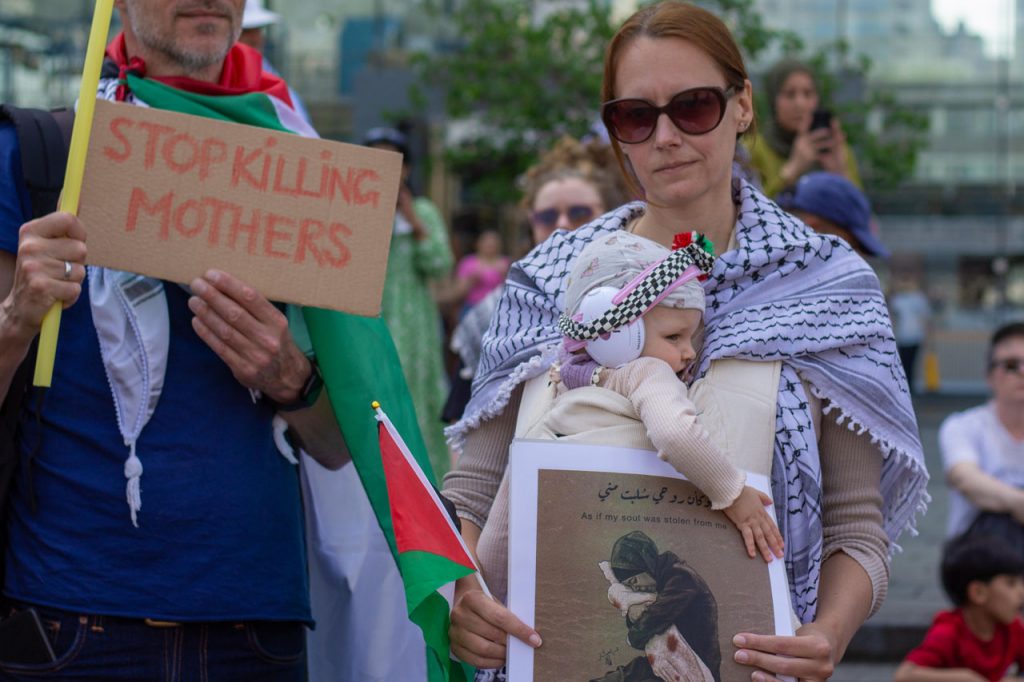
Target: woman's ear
(745, 106)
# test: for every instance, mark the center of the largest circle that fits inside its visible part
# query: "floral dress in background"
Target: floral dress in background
(411, 315)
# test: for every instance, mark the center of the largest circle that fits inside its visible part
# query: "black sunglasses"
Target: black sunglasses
(1012, 365)
(578, 215)
(695, 112)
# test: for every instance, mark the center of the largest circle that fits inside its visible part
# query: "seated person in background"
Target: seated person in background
(831, 204)
(983, 635)
(983, 448)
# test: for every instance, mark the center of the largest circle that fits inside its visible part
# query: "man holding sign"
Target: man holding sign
(210, 580)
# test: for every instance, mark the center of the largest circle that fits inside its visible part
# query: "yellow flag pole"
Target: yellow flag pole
(75, 169)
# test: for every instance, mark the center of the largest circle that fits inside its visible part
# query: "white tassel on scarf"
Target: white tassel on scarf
(133, 472)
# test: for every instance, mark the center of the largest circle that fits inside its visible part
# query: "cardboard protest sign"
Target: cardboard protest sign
(302, 220)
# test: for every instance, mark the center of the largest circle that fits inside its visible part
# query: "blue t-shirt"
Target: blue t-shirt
(220, 531)
(14, 200)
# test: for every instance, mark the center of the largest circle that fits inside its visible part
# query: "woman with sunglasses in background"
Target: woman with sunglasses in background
(800, 136)
(677, 100)
(570, 185)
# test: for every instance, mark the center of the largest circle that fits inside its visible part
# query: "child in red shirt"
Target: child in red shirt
(983, 636)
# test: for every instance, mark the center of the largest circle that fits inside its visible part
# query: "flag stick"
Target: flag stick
(480, 579)
(75, 170)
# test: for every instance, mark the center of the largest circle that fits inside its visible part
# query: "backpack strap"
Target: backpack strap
(10, 413)
(44, 138)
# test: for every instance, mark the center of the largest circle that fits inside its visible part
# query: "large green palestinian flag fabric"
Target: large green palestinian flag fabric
(360, 366)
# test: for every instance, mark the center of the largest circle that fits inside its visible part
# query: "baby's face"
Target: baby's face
(669, 335)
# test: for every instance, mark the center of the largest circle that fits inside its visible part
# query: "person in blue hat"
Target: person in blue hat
(831, 204)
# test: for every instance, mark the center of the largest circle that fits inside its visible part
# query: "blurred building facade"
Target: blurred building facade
(958, 223)
(41, 51)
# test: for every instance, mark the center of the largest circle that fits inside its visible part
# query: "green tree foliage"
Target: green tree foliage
(519, 75)
(516, 82)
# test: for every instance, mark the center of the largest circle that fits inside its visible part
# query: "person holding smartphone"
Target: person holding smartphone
(800, 136)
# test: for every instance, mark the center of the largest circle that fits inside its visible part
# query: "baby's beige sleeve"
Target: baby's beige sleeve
(670, 417)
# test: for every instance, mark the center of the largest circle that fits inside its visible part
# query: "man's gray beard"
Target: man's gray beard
(191, 62)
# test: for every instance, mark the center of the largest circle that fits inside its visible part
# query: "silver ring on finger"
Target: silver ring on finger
(67, 270)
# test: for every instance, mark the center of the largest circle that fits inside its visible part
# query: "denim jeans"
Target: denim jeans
(108, 649)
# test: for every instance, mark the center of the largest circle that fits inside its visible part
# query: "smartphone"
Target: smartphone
(822, 118)
(24, 640)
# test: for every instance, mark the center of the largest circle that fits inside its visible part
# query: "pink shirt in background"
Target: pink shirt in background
(487, 277)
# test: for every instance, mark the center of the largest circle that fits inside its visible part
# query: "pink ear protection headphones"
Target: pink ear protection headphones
(609, 322)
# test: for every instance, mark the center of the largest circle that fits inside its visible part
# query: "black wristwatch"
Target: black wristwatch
(308, 395)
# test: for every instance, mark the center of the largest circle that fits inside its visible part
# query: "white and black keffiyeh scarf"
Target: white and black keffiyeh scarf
(785, 293)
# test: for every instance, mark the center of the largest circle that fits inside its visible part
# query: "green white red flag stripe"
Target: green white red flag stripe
(420, 520)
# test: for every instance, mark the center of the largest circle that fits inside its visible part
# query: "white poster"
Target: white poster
(625, 571)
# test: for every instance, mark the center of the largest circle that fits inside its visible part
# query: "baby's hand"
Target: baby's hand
(760, 534)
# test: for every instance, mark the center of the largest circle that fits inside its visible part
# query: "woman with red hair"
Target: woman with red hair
(847, 469)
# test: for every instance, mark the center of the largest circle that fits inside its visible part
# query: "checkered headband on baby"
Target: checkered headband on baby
(653, 286)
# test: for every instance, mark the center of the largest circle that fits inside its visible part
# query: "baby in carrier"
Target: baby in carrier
(632, 311)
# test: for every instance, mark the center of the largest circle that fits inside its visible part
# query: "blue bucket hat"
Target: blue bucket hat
(838, 201)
